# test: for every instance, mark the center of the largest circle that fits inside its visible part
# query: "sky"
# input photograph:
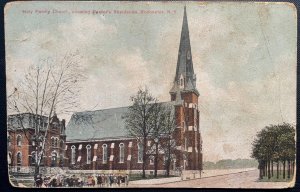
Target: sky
(244, 56)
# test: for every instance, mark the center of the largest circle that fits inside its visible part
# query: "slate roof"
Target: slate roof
(98, 125)
(24, 120)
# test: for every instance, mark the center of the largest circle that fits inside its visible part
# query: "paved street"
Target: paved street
(238, 180)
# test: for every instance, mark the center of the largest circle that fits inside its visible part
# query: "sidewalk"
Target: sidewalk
(205, 173)
(155, 181)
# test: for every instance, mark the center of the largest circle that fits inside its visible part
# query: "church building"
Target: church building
(98, 140)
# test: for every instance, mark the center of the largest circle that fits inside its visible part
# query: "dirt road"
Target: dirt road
(238, 180)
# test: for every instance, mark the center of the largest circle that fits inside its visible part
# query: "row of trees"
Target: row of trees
(231, 164)
(149, 120)
(275, 144)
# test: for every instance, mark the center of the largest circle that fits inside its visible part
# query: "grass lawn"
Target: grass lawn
(274, 178)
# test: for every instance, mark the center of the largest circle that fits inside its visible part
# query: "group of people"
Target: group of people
(108, 180)
(99, 180)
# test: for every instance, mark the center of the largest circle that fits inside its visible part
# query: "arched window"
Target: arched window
(19, 158)
(61, 160)
(41, 138)
(33, 158)
(9, 158)
(56, 142)
(73, 154)
(54, 125)
(140, 153)
(165, 159)
(104, 155)
(8, 140)
(52, 141)
(19, 140)
(151, 160)
(61, 144)
(195, 117)
(88, 154)
(33, 140)
(121, 146)
(53, 158)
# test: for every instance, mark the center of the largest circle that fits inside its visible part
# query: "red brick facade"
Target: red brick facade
(114, 162)
(187, 133)
(21, 147)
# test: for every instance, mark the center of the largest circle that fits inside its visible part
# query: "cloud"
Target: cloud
(241, 109)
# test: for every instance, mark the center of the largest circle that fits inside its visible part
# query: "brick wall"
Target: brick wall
(130, 156)
(26, 148)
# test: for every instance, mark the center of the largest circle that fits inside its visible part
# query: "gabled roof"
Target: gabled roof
(98, 125)
(89, 125)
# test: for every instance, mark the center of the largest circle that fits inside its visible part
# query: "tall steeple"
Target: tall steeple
(185, 79)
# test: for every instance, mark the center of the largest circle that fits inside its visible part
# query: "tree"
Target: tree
(274, 143)
(286, 147)
(139, 120)
(168, 143)
(48, 87)
(157, 123)
(163, 124)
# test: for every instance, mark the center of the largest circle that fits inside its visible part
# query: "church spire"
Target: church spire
(185, 77)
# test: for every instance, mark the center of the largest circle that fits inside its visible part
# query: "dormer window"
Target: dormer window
(54, 125)
(181, 81)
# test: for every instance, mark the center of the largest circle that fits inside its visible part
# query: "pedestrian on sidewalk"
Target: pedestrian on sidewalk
(126, 180)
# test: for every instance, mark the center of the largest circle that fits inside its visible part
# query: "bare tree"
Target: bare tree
(138, 120)
(157, 123)
(168, 143)
(50, 86)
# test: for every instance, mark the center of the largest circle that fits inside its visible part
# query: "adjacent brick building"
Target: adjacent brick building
(22, 145)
